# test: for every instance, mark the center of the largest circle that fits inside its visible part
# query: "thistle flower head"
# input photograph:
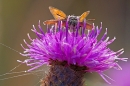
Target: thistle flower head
(72, 46)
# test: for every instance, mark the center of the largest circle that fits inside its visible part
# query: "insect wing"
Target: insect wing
(88, 25)
(83, 16)
(50, 22)
(57, 14)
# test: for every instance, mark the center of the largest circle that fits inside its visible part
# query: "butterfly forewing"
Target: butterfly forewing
(57, 14)
(83, 16)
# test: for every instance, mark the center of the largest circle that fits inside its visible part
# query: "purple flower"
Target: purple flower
(74, 46)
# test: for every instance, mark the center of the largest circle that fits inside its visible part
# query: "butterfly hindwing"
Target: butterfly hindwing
(50, 22)
(88, 25)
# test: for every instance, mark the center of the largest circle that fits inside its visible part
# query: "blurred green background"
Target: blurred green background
(18, 16)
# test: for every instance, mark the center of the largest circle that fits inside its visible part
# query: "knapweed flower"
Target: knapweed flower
(70, 52)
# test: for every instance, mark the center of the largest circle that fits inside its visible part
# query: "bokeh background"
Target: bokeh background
(18, 16)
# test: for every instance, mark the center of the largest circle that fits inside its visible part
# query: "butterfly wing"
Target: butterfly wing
(50, 22)
(57, 14)
(88, 25)
(83, 16)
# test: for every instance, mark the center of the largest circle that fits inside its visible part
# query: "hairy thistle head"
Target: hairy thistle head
(70, 52)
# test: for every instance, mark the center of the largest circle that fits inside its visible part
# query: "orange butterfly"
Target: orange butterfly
(60, 15)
